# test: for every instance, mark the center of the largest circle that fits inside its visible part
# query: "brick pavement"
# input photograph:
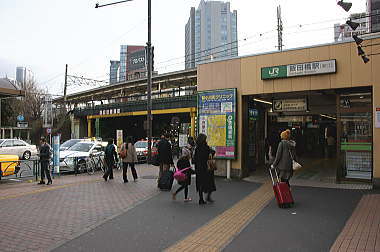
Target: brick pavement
(362, 230)
(35, 217)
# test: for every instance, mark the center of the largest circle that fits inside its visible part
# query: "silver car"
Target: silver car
(17, 147)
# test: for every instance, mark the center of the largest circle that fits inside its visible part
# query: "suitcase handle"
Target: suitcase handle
(271, 175)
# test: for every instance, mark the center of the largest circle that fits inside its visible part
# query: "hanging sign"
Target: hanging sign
(299, 69)
(287, 105)
(216, 119)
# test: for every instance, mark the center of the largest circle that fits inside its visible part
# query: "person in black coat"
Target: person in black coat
(205, 181)
(110, 158)
(45, 155)
(165, 156)
(184, 163)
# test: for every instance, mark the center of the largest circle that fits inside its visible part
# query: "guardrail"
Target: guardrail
(20, 168)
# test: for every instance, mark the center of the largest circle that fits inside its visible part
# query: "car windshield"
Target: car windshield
(141, 144)
(69, 143)
(82, 146)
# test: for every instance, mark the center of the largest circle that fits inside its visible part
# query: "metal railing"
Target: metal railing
(11, 169)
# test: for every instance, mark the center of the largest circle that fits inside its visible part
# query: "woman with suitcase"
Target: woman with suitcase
(283, 161)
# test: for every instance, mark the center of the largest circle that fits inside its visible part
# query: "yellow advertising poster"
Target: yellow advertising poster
(119, 139)
(216, 129)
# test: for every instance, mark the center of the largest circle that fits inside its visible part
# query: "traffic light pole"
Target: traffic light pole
(149, 83)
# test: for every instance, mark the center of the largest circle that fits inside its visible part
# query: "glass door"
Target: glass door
(356, 136)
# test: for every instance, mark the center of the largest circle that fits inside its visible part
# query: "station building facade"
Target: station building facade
(326, 95)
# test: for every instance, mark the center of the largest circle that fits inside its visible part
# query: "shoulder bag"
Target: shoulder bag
(295, 164)
(211, 163)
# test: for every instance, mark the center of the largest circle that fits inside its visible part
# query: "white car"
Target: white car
(17, 147)
(78, 155)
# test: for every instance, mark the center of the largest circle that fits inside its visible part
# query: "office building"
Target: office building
(23, 75)
(114, 69)
(132, 61)
(373, 8)
(210, 33)
(343, 32)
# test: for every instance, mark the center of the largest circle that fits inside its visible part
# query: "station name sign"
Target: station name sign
(299, 69)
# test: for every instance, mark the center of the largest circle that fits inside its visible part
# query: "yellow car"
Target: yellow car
(9, 168)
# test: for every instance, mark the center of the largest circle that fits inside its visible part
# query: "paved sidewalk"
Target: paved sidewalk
(362, 230)
(37, 217)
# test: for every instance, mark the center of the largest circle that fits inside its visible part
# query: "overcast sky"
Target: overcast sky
(44, 35)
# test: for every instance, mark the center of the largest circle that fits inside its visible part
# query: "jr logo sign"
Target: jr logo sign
(274, 72)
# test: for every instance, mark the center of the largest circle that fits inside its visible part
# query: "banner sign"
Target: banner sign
(56, 153)
(119, 139)
(217, 120)
(136, 60)
(289, 105)
(300, 69)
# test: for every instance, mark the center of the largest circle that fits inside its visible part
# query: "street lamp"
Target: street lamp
(149, 66)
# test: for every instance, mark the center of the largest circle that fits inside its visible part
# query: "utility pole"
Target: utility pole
(279, 28)
(149, 84)
(149, 74)
(65, 87)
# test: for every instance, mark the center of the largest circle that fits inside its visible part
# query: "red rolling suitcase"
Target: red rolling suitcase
(281, 192)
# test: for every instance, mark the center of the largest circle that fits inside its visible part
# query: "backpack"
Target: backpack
(123, 151)
(109, 151)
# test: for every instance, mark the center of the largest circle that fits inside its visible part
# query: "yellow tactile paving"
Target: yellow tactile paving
(218, 232)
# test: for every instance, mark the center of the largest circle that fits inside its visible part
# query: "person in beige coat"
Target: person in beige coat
(129, 160)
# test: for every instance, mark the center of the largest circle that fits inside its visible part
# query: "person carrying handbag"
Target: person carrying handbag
(285, 155)
(205, 180)
(183, 163)
(129, 158)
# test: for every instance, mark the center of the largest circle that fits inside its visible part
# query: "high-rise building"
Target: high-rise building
(114, 69)
(128, 53)
(23, 75)
(211, 32)
(343, 32)
(373, 8)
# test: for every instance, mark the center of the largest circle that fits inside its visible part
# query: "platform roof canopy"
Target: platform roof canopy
(8, 89)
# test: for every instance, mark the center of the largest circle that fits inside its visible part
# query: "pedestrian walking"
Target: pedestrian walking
(283, 161)
(165, 156)
(129, 158)
(182, 164)
(205, 180)
(191, 145)
(110, 158)
(45, 155)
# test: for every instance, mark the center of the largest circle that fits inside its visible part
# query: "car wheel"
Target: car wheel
(26, 155)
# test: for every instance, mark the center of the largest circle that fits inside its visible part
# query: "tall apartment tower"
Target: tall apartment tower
(210, 33)
(114, 69)
(373, 8)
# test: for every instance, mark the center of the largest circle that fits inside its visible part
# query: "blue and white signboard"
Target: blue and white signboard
(56, 153)
(20, 118)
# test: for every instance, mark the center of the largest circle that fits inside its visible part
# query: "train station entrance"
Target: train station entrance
(332, 130)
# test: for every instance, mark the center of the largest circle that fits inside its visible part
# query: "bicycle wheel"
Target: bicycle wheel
(91, 167)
